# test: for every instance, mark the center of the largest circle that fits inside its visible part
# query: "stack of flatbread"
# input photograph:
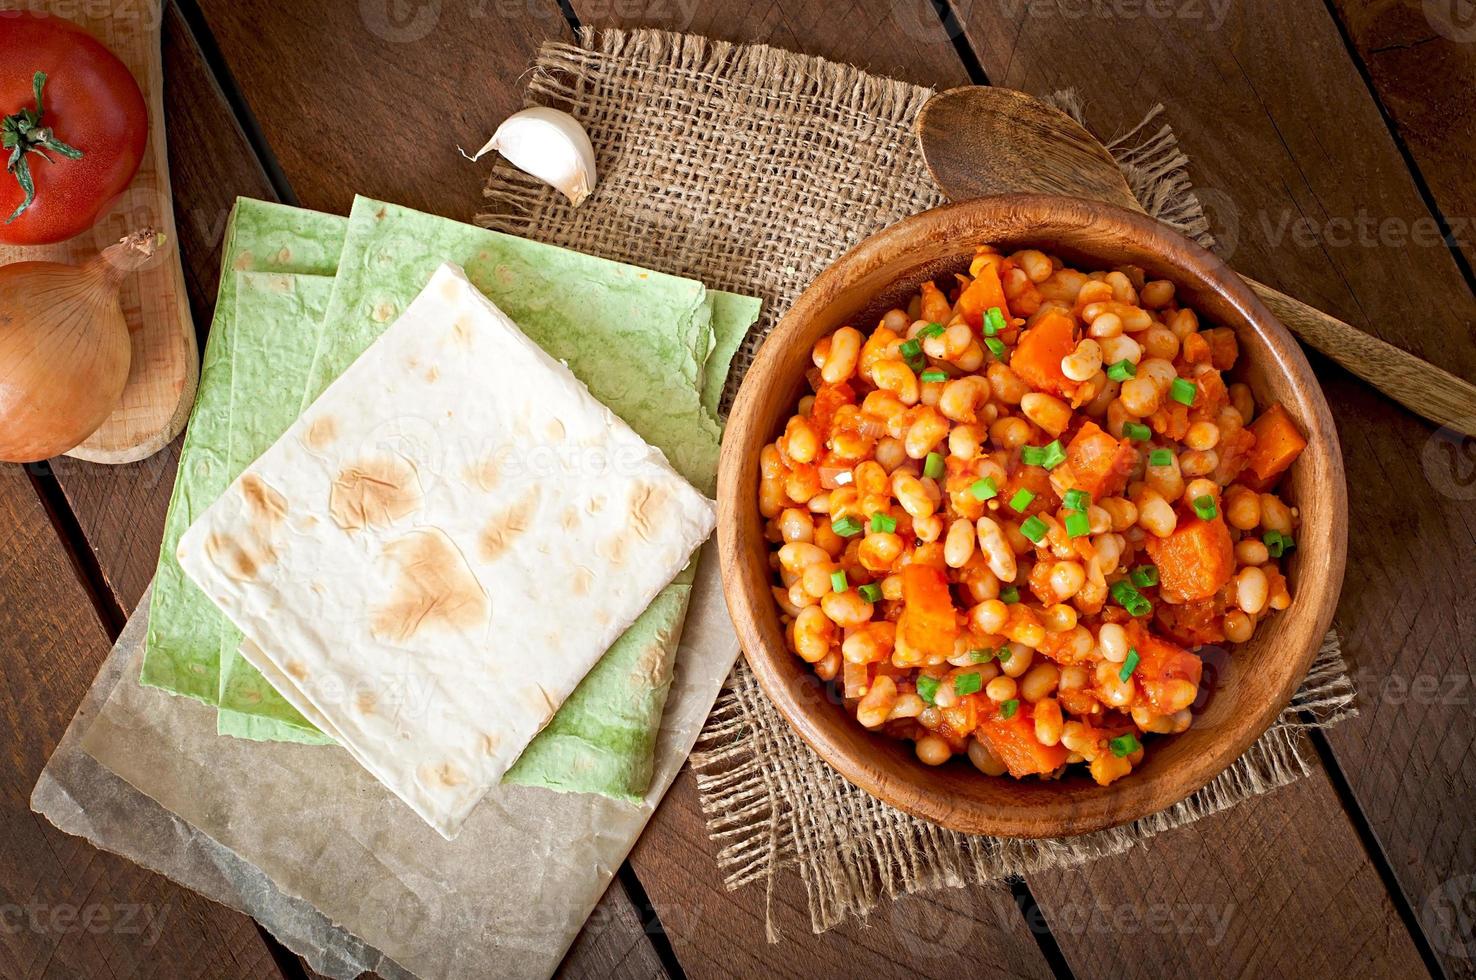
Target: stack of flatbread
(430, 606)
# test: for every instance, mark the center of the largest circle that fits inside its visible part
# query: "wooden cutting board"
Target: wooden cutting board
(166, 367)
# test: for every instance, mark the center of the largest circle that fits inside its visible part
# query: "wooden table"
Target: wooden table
(1331, 141)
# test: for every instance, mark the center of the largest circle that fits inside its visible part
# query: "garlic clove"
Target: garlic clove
(550, 145)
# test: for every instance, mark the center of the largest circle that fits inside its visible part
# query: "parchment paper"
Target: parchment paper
(307, 842)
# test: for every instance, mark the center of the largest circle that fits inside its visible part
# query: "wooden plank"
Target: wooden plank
(67, 910)
(614, 944)
(1210, 890)
(121, 508)
(1422, 66)
(373, 98)
(900, 38)
(975, 931)
(1294, 159)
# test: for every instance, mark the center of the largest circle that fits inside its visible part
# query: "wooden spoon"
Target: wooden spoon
(980, 140)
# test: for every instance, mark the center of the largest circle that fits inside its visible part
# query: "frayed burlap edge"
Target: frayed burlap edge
(770, 801)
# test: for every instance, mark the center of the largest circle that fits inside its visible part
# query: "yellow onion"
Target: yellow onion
(64, 350)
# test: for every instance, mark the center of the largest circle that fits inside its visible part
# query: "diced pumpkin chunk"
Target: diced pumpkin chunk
(1099, 464)
(929, 623)
(1013, 740)
(1037, 357)
(1195, 561)
(1278, 444)
(984, 292)
(1166, 674)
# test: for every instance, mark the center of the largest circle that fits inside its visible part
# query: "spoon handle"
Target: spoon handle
(1419, 386)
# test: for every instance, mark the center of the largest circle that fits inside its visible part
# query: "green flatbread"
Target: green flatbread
(278, 317)
(182, 647)
(613, 325)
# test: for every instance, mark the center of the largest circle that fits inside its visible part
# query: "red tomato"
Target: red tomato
(90, 102)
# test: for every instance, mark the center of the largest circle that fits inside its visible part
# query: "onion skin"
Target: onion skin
(64, 349)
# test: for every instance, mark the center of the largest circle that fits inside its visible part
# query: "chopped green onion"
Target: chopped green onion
(1009, 595)
(1130, 598)
(846, 527)
(1021, 500)
(969, 683)
(1004, 653)
(1161, 457)
(933, 465)
(981, 656)
(931, 330)
(933, 374)
(1136, 431)
(1144, 576)
(984, 489)
(883, 523)
(1050, 455)
(1122, 370)
(995, 345)
(871, 593)
(1078, 525)
(1123, 745)
(1278, 544)
(927, 688)
(1204, 506)
(1129, 665)
(838, 580)
(1035, 529)
(994, 322)
(1183, 391)
(1077, 500)
(910, 348)
(1008, 709)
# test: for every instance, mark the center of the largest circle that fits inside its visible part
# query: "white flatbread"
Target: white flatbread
(435, 554)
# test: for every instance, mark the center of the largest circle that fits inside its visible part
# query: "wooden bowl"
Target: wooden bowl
(1245, 691)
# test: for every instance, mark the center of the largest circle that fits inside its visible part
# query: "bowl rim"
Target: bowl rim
(1132, 801)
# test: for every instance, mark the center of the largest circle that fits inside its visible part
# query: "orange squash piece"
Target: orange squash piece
(828, 401)
(1099, 464)
(1160, 665)
(1195, 561)
(1224, 348)
(1037, 357)
(1013, 740)
(929, 622)
(984, 292)
(1278, 444)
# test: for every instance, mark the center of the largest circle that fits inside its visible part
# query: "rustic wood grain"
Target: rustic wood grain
(1206, 895)
(165, 365)
(67, 910)
(955, 932)
(373, 98)
(899, 38)
(614, 944)
(1421, 61)
(1279, 128)
(1270, 667)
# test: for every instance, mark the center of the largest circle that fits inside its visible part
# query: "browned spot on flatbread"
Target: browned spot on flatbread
(484, 473)
(441, 775)
(488, 743)
(241, 557)
(583, 580)
(554, 430)
(434, 589)
(432, 374)
(538, 701)
(374, 492)
(602, 617)
(321, 432)
(595, 504)
(570, 518)
(383, 312)
(265, 505)
(463, 332)
(507, 526)
(615, 548)
(366, 702)
(296, 669)
(244, 262)
(646, 506)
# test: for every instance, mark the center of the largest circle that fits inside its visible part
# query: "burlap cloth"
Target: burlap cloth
(752, 169)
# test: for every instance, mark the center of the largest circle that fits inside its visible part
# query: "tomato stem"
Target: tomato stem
(22, 134)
